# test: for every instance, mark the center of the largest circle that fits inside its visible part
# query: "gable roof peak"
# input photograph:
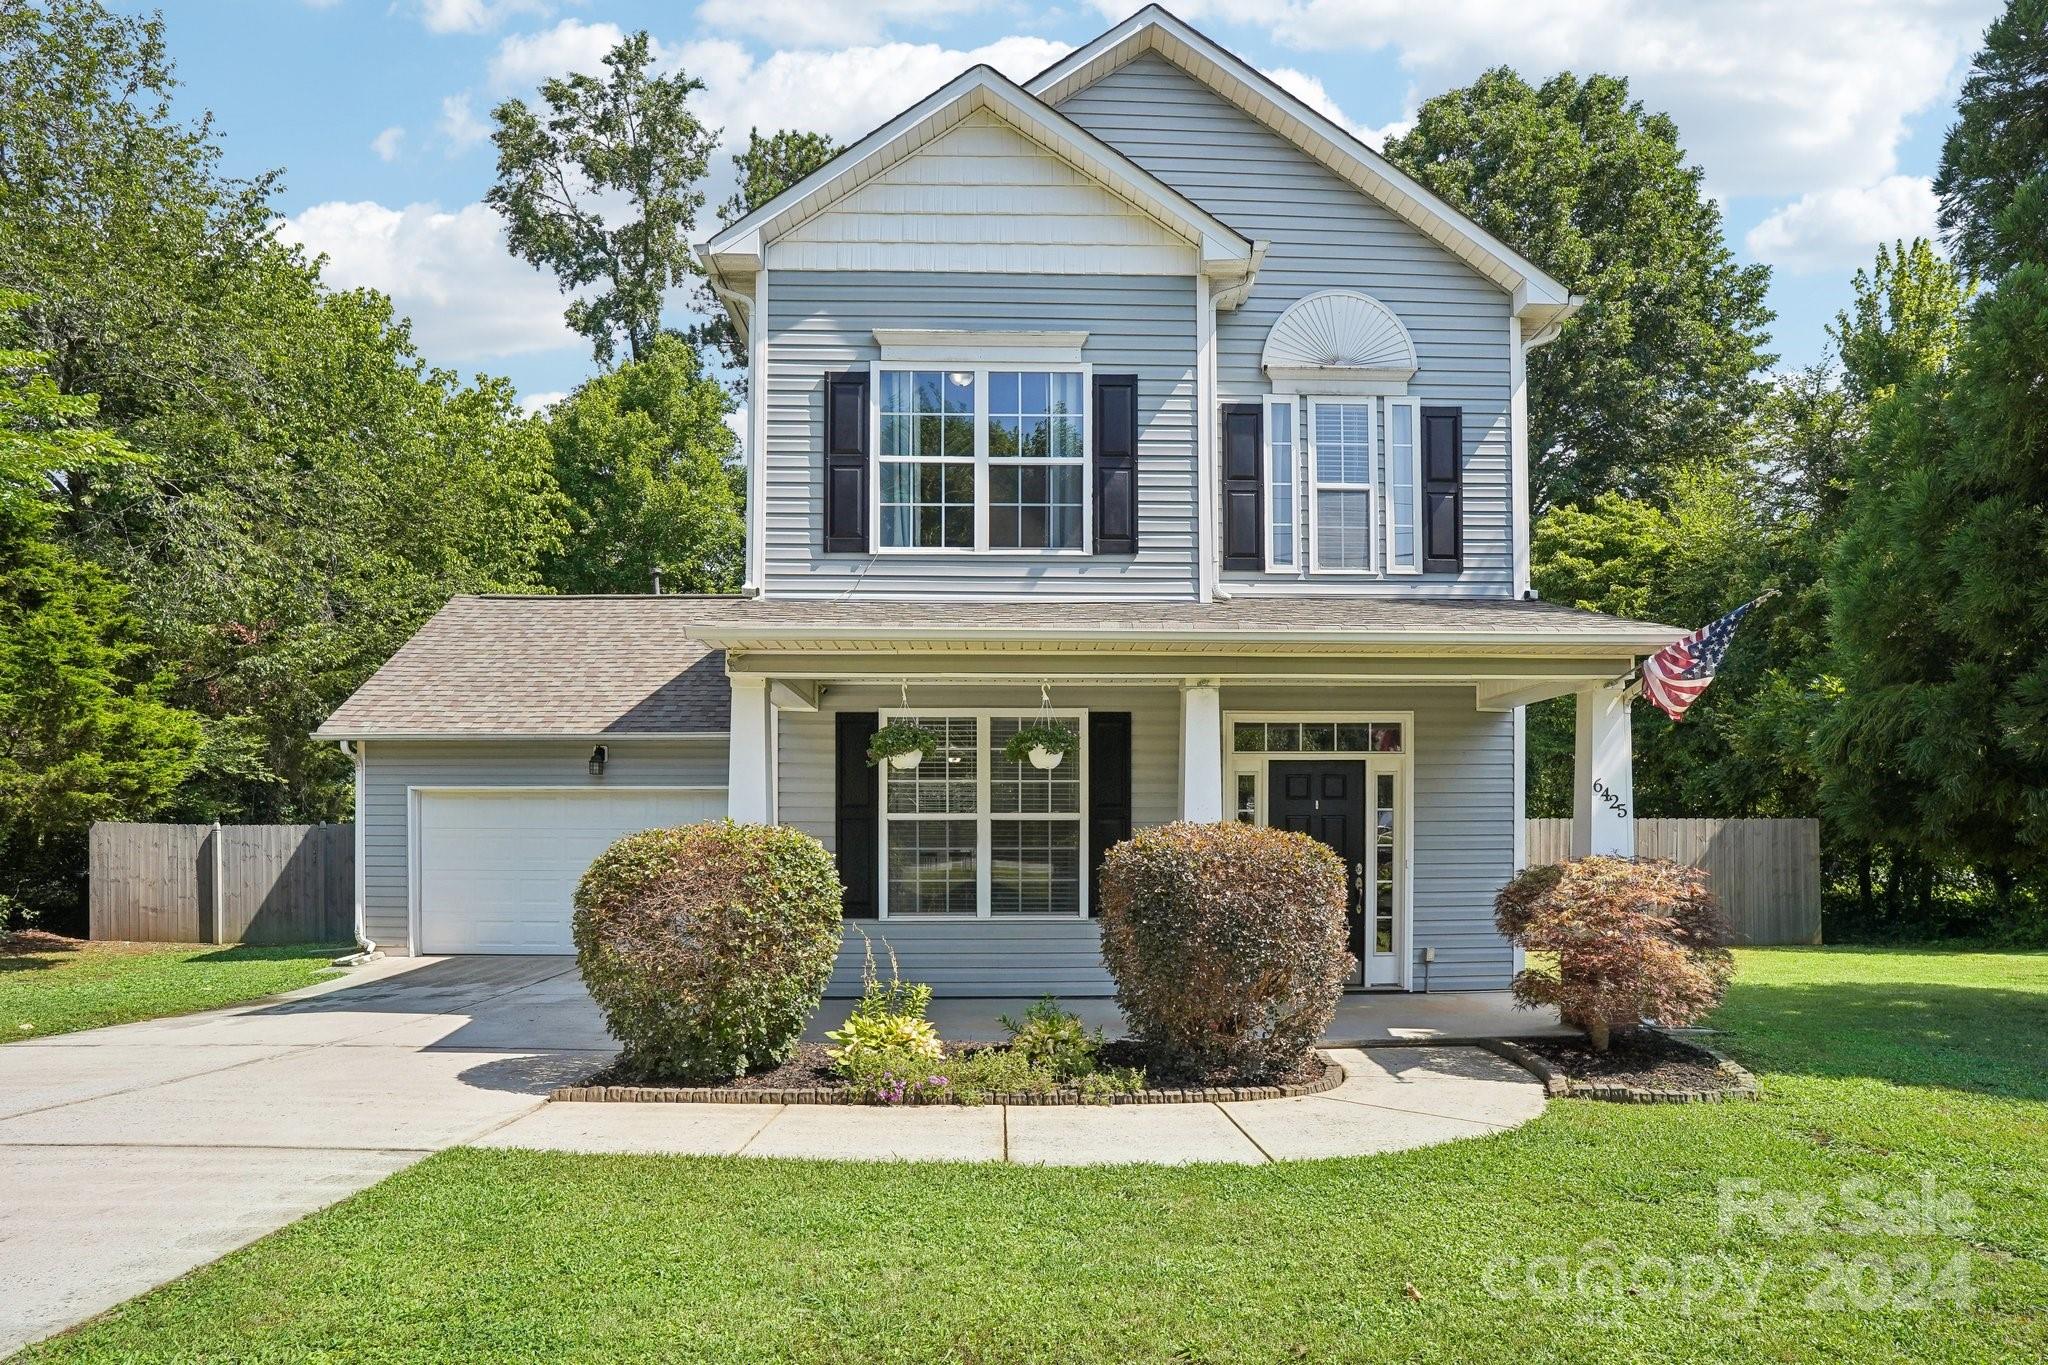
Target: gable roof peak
(1538, 299)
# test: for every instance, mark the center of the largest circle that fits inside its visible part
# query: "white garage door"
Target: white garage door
(498, 869)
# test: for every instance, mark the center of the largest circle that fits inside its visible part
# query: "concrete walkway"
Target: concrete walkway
(1392, 1098)
(131, 1155)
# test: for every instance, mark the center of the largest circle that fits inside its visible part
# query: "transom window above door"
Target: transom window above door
(982, 457)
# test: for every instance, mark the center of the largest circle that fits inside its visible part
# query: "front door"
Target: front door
(1326, 800)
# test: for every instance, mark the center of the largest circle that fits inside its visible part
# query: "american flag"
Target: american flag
(1675, 675)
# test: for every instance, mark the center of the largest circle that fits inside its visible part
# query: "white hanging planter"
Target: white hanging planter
(1044, 759)
(905, 762)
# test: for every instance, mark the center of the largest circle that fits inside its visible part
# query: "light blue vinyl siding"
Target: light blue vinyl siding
(1325, 234)
(820, 322)
(393, 766)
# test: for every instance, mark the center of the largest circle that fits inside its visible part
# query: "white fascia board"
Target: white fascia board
(1620, 640)
(1155, 29)
(1222, 250)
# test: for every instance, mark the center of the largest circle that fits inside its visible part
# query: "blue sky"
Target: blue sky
(1818, 124)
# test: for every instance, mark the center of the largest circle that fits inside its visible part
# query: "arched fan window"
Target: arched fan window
(1339, 334)
(1340, 422)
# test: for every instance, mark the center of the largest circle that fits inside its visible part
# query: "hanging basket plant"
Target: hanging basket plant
(902, 744)
(1042, 744)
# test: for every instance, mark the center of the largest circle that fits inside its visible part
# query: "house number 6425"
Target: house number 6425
(1613, 802)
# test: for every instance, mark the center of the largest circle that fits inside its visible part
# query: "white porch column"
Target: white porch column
(750, 753)
(1603, 776)
(1201, 752)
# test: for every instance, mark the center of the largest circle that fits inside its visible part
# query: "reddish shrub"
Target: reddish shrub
(707, 947)
(1632, 939)
(1227, 943)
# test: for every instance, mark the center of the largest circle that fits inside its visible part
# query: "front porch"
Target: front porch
(1404, 754)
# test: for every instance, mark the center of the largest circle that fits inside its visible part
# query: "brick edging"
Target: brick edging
(1332, 1077)
(1557, 1085)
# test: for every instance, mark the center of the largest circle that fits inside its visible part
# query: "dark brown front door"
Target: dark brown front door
(1326, 800)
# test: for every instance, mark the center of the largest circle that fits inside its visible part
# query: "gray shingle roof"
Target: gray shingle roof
(589, 666)
(544, 666)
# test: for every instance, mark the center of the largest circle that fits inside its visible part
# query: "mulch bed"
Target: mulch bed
(807, 1078)
(1646, 1067)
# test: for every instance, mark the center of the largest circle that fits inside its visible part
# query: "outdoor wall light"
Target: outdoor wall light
(597, 761)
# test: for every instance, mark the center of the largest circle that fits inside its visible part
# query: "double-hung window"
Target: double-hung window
(1341, 515)
(987, 457)
(969, 833)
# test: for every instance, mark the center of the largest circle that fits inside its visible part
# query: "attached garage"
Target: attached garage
(496, 869)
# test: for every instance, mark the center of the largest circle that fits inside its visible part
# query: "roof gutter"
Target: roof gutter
(1646, 638)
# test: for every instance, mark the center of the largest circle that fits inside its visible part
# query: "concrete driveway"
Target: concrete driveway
(130, 1155)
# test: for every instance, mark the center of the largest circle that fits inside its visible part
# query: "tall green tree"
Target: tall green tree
(1999, 141)
(312, 490)
(85, 731)
(648, 463)
(1660, 370)
(766, 167)
(602, 189)
(1904, 322)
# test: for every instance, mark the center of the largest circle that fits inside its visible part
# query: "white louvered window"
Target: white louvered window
(1342, 455)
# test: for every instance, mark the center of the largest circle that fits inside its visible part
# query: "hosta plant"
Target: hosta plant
(1630, 939)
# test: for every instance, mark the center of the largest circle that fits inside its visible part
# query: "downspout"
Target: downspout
(366, 950)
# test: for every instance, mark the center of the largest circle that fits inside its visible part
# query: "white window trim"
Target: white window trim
(1403, 767)
(982, 460)
(1293, 404)
(911, 348)
(1315, 485)
(984, 819)
(1414, 407)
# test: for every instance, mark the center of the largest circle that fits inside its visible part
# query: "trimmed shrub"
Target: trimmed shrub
(708, 946)
(1227, 943)
(1632, 938)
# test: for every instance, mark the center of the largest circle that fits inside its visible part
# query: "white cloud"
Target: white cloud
(387, 143)
(1310, 91)
(450, 272)
(846, 92)
(533, 404)
(472, 16)
(1837, 229)
(459, 123)
(809, 23)
(1770, 98)
(524, 60)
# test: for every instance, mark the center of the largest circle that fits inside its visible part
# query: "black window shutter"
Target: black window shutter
(846, 463)
(1443, 459)
(1244, 501)
(1109, 793)
(856, 828)
(1116, 464)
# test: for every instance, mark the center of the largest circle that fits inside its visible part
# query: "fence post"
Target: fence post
(219, 875)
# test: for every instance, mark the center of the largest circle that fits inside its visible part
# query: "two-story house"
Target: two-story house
(1140, 395)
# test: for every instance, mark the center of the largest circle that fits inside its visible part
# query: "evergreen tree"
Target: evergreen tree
(1999, 142)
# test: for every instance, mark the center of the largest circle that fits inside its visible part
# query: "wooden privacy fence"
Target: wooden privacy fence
(1766, 872)
(223, 883)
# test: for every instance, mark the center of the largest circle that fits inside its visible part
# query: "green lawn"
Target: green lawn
(1891, 1067)
(59, 989)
